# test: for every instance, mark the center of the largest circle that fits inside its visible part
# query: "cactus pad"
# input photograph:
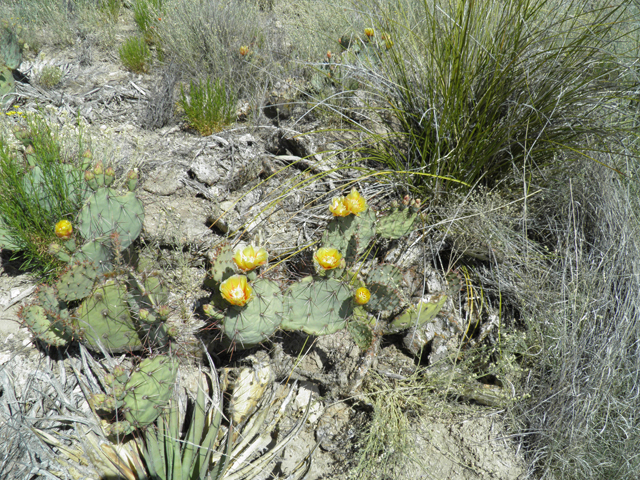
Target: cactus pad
(318, 307)
(258, 319)
(10, 48)
(417, 315)
(397, 222)
(383, 282)
(105, 214)
(222, 266)
(45, 327)
(104, 317)
(76, 282)
(7, 83)
(149, 389)
(351, 234)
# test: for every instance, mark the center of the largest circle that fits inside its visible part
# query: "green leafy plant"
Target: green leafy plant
(50, 76)
(135, 55)
(38, 188)
(209, 106)
(146, 14)
(471, 90)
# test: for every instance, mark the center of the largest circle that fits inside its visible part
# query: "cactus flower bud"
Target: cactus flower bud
(132, 180)
(90, 178)
(64, 229)
(143, 313)
(236, 290)
(328, 258)
(362, 295)
(163, 311)
(338, 208)
(109, 176)
(355, 203)
(250, 258)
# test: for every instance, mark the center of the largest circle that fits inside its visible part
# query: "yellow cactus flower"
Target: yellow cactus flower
(328, 258)
(64, 229)
(355, 203)
(338, 208)
(244, 50)
(362, 295)
(236, 290)
(369, 32)
(250, 258)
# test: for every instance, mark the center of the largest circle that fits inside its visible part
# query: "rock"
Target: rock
(164, 181)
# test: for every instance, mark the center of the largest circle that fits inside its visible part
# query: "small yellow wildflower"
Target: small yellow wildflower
(369, 32)
(64, 229)
(338, 208)
(355, 203)
(250, 258)
(236, 290)
(244, 50)
(328, 258)
(362, 295)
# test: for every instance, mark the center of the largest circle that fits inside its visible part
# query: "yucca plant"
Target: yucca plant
(473, 90)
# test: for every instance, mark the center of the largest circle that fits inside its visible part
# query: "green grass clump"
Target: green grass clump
(209, 107)
(31, 205)
(146, 14)
(135, 55)
(475, 90)
(50, 76)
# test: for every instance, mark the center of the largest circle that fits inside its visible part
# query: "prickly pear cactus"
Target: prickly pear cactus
(397, 222)
(351, 234)
(105, 320)
(416, 315)
(7, 83)
(383, 282)
(256, 321)
(139, 397)
(107, 214)
(76, 282)
(10, 47)
(317, 306)
(149, 389)
(48, 318)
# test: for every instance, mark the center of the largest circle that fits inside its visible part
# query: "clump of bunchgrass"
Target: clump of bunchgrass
(146, 14)
(50, 76)
(583, 329)
(135, 55)
(204, 40)
(209, 107)
(472, 90)
(30, 204)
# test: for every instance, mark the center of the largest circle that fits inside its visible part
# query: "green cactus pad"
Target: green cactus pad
(317, 306)
(76, 282)
(7, 83)
(361, 334)
(96, 252)
(397, 222)
(255, 322)
(104, 317)
(10, 48)
(105, 214)
(223, 266)
(45, 327)
(351, 234)
(149, 389)
(416, 315)
(383, 283)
